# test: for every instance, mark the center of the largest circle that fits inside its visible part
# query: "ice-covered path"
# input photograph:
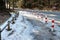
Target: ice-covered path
(41, 31)
(20, 30)
(29, 27)
(41, 28)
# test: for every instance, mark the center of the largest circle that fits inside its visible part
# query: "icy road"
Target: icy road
(30, 27)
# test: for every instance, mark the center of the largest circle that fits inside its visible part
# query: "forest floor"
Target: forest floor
(4, 15)
(3, 18)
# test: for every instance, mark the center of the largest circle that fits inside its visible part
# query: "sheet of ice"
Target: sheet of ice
(22, 28)
(19, 27)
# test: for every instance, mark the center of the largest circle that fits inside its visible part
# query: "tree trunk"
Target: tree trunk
(3, 10)
(2, 5)
(13, 4)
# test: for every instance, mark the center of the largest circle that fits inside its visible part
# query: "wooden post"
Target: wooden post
(13, 20)
(8, 28)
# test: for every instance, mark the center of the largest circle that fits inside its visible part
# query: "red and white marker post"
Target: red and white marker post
(41, 16)
(58, 24)
(46, 19)
(34, 13)
(53, 21)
